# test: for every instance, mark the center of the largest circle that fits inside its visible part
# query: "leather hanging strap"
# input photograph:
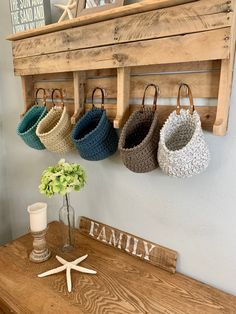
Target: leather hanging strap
(102, 99)
(157, 93)
(61, 95)
(190, 96)
(44, 95)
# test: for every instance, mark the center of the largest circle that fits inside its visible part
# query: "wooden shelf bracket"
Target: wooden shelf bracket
(226, 78)
(123, 93)
(79, 80)
(27, 89)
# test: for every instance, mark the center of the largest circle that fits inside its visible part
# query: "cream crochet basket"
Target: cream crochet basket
(183, 151)
(55, 129)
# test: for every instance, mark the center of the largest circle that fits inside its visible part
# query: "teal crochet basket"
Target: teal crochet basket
(26, 128)
(94, 135)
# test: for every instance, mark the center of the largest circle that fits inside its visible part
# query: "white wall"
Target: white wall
(5, 230)
(196, 217)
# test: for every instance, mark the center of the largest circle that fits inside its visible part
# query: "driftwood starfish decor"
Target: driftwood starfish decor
(71, 5)
(68, 266)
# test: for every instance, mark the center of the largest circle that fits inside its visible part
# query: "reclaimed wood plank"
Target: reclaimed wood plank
(221, 122)
(143, 6)
(209, 45)
(53, 77)
(79, 80)
(193, 17)
(203, 77)
(123, 284)
(27, 91)
(123, 95)
(207, 113)
(203, 85)
(226, 81)
(185, 67)
(147, 251)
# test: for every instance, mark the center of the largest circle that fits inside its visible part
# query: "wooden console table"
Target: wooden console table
(123, 284)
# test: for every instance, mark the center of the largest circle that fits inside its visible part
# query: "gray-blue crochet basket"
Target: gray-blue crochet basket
(94, 135)
(26, 128)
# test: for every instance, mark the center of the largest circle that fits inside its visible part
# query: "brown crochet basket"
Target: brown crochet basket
(139, 138)
(55, 129)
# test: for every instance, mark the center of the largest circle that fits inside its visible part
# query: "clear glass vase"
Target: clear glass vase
(67, 223)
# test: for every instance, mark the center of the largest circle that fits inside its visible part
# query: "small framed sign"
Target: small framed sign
(91, 6)
(29, 14)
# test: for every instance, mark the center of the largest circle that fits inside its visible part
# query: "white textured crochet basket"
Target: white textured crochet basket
(183, 151)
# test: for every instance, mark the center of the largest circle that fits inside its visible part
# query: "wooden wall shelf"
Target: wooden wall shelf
(122, 49)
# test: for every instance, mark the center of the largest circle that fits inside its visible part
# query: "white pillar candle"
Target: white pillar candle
(38, 216)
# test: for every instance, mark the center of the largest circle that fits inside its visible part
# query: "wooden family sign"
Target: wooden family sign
(150, 252)
(29, 14)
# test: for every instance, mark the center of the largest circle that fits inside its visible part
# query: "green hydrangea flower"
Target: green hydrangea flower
(62, 178)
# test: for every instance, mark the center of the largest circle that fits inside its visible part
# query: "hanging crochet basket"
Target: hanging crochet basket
(94, 135)
(26, 128)
(183, 151)
(55, 129)
(139, 138)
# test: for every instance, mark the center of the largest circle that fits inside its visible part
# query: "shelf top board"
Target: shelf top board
(123, 284)
(143, 6)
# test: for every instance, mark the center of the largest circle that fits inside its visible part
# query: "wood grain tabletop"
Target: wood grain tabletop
(122, 285)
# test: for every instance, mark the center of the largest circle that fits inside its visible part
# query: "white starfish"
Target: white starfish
(67, 9)
(68, 266)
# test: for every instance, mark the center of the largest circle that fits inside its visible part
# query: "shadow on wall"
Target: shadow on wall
(5, 229)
